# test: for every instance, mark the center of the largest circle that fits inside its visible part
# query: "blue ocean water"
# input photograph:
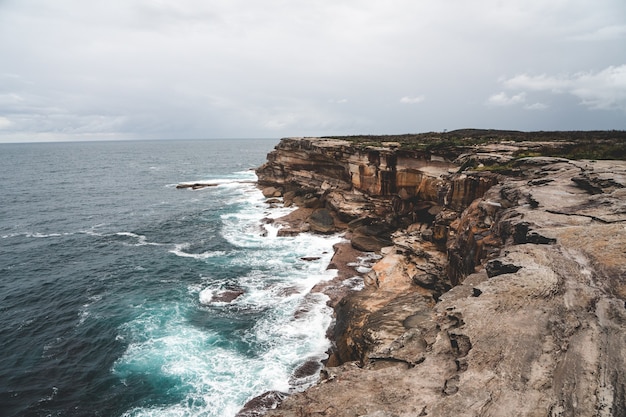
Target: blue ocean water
(108, 275)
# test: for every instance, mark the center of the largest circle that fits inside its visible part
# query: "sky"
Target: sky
(180, 69)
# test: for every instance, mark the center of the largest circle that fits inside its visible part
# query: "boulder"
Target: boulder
(288, 198)
(271, 192)
(306, 373)
(308, 201)
(321, 221)
(369, 243)
(260, 404)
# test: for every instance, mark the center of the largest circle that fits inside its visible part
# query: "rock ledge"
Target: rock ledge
(498, 291)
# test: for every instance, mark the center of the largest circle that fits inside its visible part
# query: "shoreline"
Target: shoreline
(336, 289)
(344, 254)
(482, 255)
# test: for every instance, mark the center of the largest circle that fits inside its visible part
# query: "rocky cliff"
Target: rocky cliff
(501, 286)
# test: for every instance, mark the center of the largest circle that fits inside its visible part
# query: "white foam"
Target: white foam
(216, 379)
(179, 250)
(354, 283)
(40, 235)
(141, 239)
(205, 296)
(363, 269)
(364, 263)
(272, 230)
(50, 397)
(235, 181)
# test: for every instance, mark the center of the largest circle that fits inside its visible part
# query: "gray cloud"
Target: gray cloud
(503, 99)
(195, 68)
(412, 100)
(605, 89)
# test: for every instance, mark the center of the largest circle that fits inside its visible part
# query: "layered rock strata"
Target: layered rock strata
(499, 291)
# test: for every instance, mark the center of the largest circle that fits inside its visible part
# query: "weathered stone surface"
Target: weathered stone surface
(259, 405)
(368, 243)
(507, 299)
(541, 341)
(358, 182)
(321, 221)
(271, 192)
(370, 234)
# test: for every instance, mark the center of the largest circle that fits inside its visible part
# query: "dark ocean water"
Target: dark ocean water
(107, 272)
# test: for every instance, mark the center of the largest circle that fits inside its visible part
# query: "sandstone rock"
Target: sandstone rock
(374, 229)
(308, 201)
(271, 192)
(305, 374)
(520, 313)
(259, 405)
(367, 243)
(288, 198)
(321, 221)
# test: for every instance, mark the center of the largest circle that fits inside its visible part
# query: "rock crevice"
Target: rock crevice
(498, 291)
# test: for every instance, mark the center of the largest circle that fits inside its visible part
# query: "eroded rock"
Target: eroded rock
(321, 221)
(508, 303)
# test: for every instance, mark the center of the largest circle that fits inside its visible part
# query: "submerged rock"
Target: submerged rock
(210, 296)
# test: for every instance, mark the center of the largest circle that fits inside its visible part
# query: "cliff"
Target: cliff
(501, 286)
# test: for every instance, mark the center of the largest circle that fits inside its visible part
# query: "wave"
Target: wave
(179, 250)
(235, 180)
(141, 239)
(246, 323)
(36, 235)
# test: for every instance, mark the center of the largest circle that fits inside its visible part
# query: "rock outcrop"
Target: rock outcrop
(502, 286)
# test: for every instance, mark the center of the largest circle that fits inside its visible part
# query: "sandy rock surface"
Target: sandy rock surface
(509, 300)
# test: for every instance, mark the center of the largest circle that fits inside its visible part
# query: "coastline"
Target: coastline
(343, 261)
(461, 246)
(344, 255)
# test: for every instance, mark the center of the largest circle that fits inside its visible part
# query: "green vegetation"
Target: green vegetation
(599, 144)
(590, 150)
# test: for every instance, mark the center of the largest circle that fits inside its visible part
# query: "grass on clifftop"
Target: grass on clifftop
(597, 144)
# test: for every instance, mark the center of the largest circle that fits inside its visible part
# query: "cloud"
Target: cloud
(605, 89)
(536, 106)
(5, 123)
(412, 100)
(606, 33)
(541, 82)
(502, 99)
(236, 68)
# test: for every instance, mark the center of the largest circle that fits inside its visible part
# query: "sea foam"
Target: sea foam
(218, 355)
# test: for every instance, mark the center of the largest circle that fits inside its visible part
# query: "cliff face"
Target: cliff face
(498, 293)
(316, 164)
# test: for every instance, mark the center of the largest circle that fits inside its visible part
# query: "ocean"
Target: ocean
(112, 281)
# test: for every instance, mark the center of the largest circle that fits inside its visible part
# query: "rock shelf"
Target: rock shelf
(501, 284)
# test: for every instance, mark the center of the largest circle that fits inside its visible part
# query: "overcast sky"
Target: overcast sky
(115, 69)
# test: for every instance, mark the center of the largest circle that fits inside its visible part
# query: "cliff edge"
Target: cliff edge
(500, 287)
